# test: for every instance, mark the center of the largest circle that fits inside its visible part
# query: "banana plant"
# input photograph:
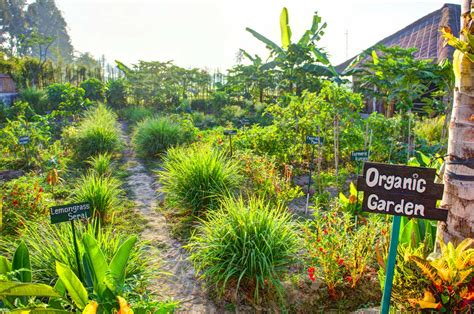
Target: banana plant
(104, 282)
(295, 60)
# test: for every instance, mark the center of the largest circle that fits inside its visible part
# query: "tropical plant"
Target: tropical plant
(101, 164)
(197, 178)
(94, 89)
(102, 192)
(245, 245)
(154, 135)
(117, 92)
(451, 279)
(299, 64)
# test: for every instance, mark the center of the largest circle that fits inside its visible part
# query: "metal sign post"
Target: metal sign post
(24, 141)
(312, 140)
(229, 133)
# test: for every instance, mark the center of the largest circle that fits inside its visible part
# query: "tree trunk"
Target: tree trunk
(458, 195)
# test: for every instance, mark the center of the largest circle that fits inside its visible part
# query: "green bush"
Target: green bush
(101, 164)
(36, 98)
(196, 178)
(135, 114)
(117, 92)
(66, 97)
(101, 192)
(430, 129)
(98, 133)
(94, 89)
(245, 245)
(154, 135)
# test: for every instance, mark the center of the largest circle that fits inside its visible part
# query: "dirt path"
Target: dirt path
(181, 283)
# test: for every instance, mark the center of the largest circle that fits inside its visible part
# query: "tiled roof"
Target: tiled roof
(424, 35)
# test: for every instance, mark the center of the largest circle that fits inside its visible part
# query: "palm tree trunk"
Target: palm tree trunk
(458, 195)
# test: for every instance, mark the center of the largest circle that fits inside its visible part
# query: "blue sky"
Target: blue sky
(209, 33)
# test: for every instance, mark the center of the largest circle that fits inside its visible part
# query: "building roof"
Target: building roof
(424, 35)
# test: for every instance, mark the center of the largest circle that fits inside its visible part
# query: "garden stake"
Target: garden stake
(230, 141)
(76, 249)
(230, 133)
(311, 166)
(392, 258)
(319, 163)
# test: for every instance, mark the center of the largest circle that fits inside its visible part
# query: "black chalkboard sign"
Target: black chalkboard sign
(360, 155)
(401, 191)
(23, 140)
(230, 132)
(70, 212)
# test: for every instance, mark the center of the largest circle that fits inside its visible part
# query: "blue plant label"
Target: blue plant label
(70, 212)
(314, 140)
(23, 140)
(230, 132)
(360, 155)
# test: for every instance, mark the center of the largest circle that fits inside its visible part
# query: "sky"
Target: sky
(208, 33)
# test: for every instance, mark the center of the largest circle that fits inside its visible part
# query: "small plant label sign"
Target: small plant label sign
(314, 140)
(245, 121)
(70, 212)
(230, 132)
(23, 140)
(360, 155)
(401, 191)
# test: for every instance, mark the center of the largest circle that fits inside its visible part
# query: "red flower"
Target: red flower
(325, 231)
(384, 231)
(321, 249)
(311, 274)
(219, 141)
(40, 190)
(349, 279)
(340, 262)
(15, 203)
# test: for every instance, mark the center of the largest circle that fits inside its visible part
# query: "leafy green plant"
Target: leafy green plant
(197, 178)
(353, 203)
(36, 98)
(94, 89)
(102, 192)
(117, 92)
(101, 164)
(246, 246)
(154, 135)
(97, 133)
(135, 114)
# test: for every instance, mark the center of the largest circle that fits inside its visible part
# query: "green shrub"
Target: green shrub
(101, 164)
(36, 98)
(117, 92)
(245, 245)
(94, 89)
(196, 178)
(429, 129)
(50, 243)
(66, 97)
(154, 135)
(135, 114)
(101, 192)
(98, 133)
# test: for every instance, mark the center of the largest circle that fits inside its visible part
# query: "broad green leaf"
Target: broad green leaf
(73, 285)
(285, 29)
(352, 189)
(375, 57)
(61, 289)
(40, 310)
(5, 266)
(21, 263)
(20, 289)
(97, 262)
(270, 44)
(318, 70)
(116, 276)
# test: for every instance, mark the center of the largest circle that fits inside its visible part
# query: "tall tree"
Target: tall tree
(458, 195)
(13, 25)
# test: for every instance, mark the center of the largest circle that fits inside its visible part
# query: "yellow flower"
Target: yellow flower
(124, 306)
(91, 308)
(428, 302)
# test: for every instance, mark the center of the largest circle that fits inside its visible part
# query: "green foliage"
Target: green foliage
(117, 92)
(98, 133)
(263, 178)
(154, 135)
(36, 98)
(430, 129)
(246, 246)
(339, 251)
(196, 178)
(135, 114)
(353, 203)
(65, 97)
(102, 192)
(48, 243)
(101, 164)
(94, 89)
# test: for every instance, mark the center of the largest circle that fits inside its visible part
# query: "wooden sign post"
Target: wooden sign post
(229, 133)
(24, 141)
(399, 191)
(70, 213)
(312, 140)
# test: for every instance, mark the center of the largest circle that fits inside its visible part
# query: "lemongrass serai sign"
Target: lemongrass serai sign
(401, 191)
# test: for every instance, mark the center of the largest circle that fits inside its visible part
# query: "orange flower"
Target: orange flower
(124, 306)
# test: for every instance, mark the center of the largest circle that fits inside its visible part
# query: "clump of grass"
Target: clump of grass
(101, 192)
(154, 135)
(197, 178)
(135, 114)
(247, 246)
(101, 164)
(98, 133)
